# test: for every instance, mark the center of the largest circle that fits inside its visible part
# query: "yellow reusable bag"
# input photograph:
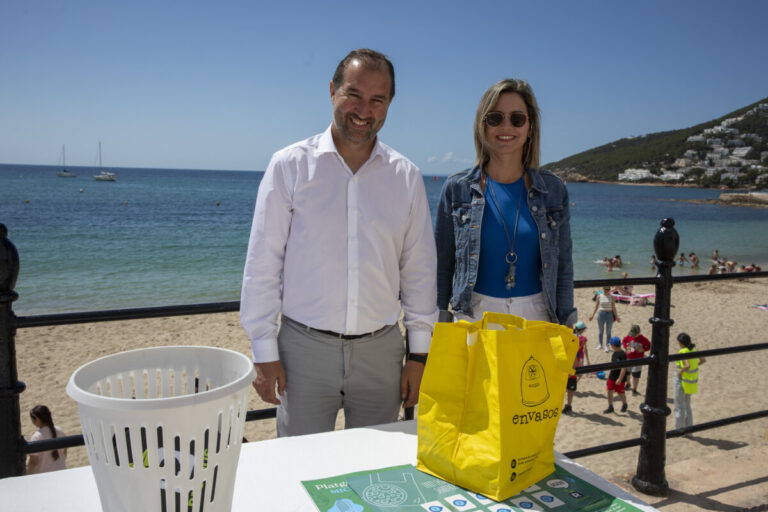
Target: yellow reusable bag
(490, 401)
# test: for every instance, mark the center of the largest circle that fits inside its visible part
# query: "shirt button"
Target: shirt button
(534, 208)
(545, 265)
(530, 194)
(543, 235)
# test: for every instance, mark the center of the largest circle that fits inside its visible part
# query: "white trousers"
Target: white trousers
(530, 307)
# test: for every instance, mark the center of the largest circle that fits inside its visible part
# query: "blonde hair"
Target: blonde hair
(532, 150)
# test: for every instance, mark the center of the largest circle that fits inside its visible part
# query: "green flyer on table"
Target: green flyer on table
(404, 488)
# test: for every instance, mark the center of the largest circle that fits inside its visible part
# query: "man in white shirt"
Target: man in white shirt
(341, 241)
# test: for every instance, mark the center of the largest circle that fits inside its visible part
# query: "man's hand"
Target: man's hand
(410, 382)
(267, 375)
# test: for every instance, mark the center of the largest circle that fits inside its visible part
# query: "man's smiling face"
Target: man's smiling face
(360, 103)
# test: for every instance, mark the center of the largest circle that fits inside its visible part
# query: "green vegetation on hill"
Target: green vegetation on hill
(655, 151)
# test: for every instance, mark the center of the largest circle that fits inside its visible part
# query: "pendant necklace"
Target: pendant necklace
(511, 256)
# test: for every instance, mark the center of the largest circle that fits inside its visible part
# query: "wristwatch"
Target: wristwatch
(419, 358)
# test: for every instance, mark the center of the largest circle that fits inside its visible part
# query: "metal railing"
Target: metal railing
(650, 477)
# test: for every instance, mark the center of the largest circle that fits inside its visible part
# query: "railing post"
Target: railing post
(11, 440)
(650, 477)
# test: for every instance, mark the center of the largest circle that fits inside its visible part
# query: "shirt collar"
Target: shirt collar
(537, 182)
(326, 145)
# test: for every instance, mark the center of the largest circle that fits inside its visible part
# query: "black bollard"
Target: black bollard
(11, 440)
(651, 478)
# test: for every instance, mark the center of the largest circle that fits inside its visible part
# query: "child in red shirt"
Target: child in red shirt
(635, 346)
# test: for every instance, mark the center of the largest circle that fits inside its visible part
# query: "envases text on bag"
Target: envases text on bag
(490, 401)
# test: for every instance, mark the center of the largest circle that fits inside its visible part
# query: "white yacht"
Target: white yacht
(104, 175)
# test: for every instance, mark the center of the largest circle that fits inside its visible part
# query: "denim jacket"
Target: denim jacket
(457, 232)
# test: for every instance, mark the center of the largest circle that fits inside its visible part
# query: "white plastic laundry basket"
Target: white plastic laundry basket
(163, 426)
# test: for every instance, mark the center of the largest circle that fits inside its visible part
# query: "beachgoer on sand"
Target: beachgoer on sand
(624, 289)
(616, 377)
(503, 226)
(51, 460)
(686, 382)
(322, 291)
(635, 346)
(605, 317)
(581, 356)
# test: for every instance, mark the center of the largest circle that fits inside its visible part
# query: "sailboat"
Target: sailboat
(64, 173)
(104, 175)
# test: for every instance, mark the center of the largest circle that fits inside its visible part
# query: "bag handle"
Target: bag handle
(503, 319)
(560, 352)
(554, 333)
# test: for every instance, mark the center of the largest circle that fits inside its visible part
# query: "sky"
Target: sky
(223, 85)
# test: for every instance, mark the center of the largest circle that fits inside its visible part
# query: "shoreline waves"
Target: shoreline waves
(168, 237)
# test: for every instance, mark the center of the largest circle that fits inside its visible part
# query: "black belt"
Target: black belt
(337, 335)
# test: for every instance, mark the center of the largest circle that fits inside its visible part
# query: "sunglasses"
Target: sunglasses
(517, 119)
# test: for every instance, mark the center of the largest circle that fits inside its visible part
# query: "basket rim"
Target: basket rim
(83, 397)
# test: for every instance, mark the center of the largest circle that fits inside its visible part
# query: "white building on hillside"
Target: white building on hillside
(742, 152)
(671, 176)
(635, 175)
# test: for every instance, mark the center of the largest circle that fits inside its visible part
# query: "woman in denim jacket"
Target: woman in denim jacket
(503, 227)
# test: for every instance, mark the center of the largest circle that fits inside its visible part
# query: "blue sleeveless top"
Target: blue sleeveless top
(492, 265)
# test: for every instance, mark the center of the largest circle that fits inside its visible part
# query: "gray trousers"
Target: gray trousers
(683, 412)
(325, 374)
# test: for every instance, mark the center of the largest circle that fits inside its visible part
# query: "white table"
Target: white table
(269, 474)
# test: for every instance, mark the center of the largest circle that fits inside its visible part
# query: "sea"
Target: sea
(159, 237)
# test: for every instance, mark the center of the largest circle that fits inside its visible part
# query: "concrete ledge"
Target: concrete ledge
(731, 481)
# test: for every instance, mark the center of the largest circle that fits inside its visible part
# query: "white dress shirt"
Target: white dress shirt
(335, 250)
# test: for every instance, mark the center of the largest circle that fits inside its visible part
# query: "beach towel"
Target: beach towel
(764, 307)
(490, 402)
(636, 299)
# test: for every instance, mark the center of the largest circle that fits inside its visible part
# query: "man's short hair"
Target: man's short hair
(370, 59)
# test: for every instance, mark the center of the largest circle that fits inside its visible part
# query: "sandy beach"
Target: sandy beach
(715, 314)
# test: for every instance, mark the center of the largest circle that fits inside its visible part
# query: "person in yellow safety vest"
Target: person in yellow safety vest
(686, 382)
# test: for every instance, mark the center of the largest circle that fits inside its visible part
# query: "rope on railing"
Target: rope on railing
(125, 314)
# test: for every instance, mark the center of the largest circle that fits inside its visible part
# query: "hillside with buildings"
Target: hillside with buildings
(731, 151)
